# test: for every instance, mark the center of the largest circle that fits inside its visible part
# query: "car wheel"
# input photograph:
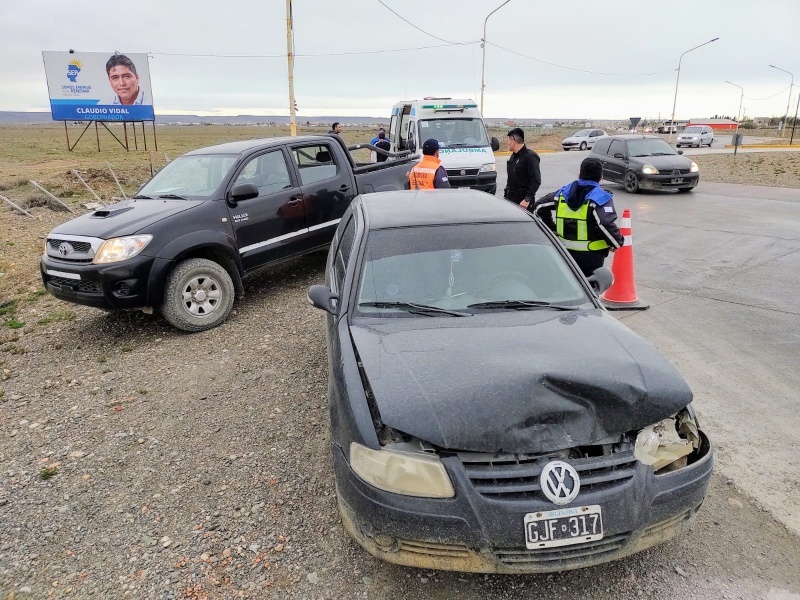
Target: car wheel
(631, 182)
(199, 295)
(566, 149)
(583, 145)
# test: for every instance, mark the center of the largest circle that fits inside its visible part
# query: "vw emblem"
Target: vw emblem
(65, 249)
(560, 482)
(463, 172)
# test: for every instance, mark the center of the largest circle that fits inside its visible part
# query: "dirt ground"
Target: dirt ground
(774, 169)
(140, 462)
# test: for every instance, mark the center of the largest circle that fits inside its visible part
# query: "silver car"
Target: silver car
(583, 139)
(696, 135)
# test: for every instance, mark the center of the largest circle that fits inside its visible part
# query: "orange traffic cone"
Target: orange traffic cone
(622, 293)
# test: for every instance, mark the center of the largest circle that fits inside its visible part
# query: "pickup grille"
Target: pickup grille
(77, 246)
(87, 287)
(515, 477)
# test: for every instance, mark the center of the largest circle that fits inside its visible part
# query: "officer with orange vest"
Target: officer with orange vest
(429, 173)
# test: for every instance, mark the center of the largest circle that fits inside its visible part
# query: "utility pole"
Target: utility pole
(290, 56)
(483, 45)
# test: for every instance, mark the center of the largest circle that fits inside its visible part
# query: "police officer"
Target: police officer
(524, 176)
(585, 217)
(428, 173)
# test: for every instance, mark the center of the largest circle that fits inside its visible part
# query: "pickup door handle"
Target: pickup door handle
(294, 201)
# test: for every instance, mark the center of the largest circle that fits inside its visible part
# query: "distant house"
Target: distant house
(716, 124)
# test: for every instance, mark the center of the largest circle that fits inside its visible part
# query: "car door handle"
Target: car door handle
(344, 187)
(293, 201)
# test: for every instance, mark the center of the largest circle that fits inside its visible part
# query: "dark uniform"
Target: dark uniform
(524, 176)
(585, 222)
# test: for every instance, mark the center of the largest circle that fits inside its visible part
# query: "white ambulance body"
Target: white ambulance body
(465, 149)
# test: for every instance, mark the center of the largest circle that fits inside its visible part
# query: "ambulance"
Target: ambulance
(465, 149)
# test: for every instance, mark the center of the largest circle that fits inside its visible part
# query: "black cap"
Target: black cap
(430, 147)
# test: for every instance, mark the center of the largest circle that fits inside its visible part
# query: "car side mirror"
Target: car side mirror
(619, 155)
(680, 151)
(243, 191)
(320, 296)
(495, 144)
(601, 279)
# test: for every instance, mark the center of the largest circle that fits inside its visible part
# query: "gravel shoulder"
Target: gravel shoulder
(198, 466)
(773, 169)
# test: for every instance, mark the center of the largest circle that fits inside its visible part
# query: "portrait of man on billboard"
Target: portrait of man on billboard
(124, 81)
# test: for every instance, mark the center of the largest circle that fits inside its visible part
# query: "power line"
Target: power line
(770, 97)
(312, 55)
(420, 29)
(579, 70)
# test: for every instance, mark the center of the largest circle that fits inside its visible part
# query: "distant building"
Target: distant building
(716, 124)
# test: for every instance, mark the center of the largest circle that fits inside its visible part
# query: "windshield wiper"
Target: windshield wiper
(142, 197)
(463, 145)
(662, 154)
(415, 308)
(172, 197)
(521, 305)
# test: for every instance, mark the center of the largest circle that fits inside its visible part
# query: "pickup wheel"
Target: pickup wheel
(199, 295)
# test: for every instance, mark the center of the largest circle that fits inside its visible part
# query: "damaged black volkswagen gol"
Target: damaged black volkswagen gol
(487, 413)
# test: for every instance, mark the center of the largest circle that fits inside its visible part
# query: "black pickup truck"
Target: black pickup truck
(192, 234)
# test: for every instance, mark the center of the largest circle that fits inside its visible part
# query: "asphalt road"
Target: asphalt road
(720, 268)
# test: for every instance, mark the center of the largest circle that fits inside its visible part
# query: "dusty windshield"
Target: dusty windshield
(456, 267)
(649, 147)
(198, 175)
(454, 133)
(692, 130)
(582, 133)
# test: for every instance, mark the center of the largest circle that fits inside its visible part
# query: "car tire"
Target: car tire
(631, 182)
(684, 190)
(583, 145)
(566, 149)
(181, 307)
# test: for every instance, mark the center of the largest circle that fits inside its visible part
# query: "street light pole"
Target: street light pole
(794, 123)
(483, 44)
(290, 56)
(789, 101)
(740, 99)
(675, 101)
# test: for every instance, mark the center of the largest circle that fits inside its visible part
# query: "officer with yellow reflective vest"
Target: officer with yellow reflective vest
(429, 174)
(585, 217)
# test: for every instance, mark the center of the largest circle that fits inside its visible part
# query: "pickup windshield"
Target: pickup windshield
(649, 147)
(198, 175)
(454, 133)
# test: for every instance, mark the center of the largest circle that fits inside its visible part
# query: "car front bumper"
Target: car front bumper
(485, 182)
(476, 533)
(665, 181)
(121, 285)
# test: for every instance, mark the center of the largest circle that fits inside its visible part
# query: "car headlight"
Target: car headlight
(694, 168)
(407, 473)
(668, 443)
(117, 249)
(649, 170)
(488, 168)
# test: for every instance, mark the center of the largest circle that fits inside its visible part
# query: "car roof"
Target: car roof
(410, 208)
(636, 136)
(242, 146)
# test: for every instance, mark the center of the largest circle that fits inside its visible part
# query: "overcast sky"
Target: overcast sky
(616, 37)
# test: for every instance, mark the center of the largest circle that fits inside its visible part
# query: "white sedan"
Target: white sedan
(584, 139)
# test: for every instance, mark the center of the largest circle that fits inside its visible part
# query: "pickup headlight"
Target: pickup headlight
(649, 170)
(407, 473)
(117, 249)
(694, 168)
(488, 168)
(668, 443)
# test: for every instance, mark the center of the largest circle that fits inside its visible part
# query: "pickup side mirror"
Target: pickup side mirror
(619, 155)
(601, 280)
(680, 151)
(495, 144)
(243, 191)
(320, 296)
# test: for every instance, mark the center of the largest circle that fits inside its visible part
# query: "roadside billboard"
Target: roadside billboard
(98, 86)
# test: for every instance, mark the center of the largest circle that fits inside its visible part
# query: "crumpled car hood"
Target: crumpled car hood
(535, 383)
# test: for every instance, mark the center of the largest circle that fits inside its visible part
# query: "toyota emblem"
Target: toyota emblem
(560, 482)
(463, 172)
(65, 249)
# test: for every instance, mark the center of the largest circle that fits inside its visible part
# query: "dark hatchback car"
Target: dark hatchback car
(487, 413)
(645, 162)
